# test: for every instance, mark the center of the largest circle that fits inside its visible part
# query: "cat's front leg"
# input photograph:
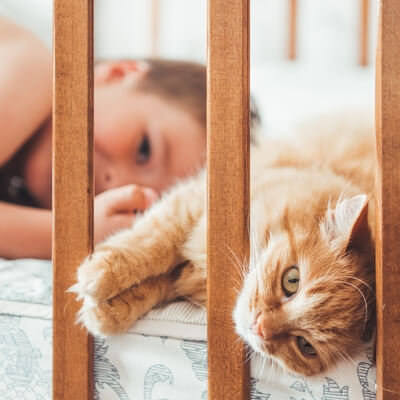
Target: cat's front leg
(118, 314)
(150, 248)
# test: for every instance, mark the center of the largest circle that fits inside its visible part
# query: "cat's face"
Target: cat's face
(306, 300)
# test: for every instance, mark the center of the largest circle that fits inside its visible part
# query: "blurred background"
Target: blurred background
(328, 66)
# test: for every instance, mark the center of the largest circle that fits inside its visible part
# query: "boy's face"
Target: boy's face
(138, 138)
(141, 138)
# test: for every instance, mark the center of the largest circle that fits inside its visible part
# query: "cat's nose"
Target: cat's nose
(257, 327)
(266, 326)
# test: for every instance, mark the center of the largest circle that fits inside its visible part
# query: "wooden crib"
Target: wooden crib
(228, 192)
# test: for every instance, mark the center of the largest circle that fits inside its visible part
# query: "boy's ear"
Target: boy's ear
(113, 71)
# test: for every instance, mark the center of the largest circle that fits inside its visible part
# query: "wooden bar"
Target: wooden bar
(228, 190)
(364, 17)
(292, 42)
(155, 27)
(388, 195)
(72, 191)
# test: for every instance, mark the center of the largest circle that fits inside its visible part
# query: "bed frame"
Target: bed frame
(228, 192)
(292, 34)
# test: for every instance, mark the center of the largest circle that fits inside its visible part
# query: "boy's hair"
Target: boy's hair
(182, 82)
(185, 83)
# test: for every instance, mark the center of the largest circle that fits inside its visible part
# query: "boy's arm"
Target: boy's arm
(25, 86)
(24, 232)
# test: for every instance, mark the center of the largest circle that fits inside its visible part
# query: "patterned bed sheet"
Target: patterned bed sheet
(163, 357)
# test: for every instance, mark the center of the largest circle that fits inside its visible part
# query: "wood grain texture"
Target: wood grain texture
(228, 191)
(155, 27)
(364, 32)
(388, 195)
(72, 191)
(292, 42)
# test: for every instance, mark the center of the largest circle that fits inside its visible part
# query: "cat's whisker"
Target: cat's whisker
(387, 390)
(347, 359)
(236, 341)
(239, 271)
(239, 342)
(240, 263)
(236, 345)
(372, 382)
(285, 373)
(270, 370)
(241, 268)
(250, 356)
(361, 281)
(365, 300)
(263, 360)
(245, 361)
(350, 358)
(256, 365)
(238, 283)
(273, 369)
(255, 243)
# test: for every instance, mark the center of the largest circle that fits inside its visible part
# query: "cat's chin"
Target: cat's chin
(255, 346)
(243, 320)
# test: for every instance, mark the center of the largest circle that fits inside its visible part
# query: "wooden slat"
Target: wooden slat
(364, 17)
(292, 42)
(155, 27)
(228, 187)
(72, 191)
(388, 195)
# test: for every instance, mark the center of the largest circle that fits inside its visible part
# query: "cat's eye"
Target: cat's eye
(144, 150)
(290, 281)
(305, 347)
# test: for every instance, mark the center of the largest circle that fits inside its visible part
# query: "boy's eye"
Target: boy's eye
(290, 281)
(144, 150)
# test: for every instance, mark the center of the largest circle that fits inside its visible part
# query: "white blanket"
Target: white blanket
(163, 356)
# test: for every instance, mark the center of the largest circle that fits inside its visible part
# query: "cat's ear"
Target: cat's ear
(346, 227)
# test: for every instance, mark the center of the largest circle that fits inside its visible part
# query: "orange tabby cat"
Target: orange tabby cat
(307, 300)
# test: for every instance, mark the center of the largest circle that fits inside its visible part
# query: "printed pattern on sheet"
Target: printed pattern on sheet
(26, 280)
(152, 368)
(142, 367)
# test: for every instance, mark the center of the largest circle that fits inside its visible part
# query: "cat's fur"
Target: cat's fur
(311, 206)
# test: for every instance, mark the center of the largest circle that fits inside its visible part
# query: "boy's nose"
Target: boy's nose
(114, 177)
(109, 176)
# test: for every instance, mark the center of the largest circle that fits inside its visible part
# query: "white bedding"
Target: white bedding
(164, 356)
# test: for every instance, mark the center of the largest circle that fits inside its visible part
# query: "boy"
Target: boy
(149, 131)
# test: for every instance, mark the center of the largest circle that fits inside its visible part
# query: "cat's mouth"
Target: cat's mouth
(284, 354)
(255, 342)
(265, 349)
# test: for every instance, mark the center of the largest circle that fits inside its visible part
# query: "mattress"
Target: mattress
(164, 356)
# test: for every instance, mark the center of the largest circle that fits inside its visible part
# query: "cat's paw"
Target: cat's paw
(112, 317)
(116, 315)
(99, 276)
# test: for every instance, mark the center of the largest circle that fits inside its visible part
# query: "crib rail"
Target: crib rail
(72, 191)
(388, 195)
(292, 42)
(155, 27)
(364, 30)
(228, 197)
(228, 191)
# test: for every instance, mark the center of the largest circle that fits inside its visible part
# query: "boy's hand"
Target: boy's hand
(116, 209)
